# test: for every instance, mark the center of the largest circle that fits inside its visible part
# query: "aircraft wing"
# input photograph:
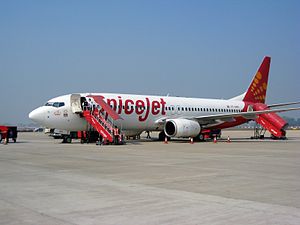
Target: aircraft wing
(230, 117)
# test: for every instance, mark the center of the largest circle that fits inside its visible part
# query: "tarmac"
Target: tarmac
(148, 182)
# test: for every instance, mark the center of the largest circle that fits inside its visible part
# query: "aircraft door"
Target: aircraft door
(76, 103)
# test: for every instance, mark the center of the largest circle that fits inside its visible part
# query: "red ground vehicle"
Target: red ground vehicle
(8, 132)
(209, 134)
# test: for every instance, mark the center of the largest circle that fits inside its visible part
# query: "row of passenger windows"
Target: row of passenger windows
(202, 109)
(55, 104)
(187, 109)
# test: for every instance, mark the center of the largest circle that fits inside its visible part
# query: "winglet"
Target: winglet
(256, 92)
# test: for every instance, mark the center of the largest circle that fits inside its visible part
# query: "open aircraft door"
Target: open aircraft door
(76, 103)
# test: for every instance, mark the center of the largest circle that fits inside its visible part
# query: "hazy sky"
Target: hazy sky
(184, 48)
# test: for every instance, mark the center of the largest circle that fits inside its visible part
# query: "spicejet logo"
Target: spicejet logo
(142, 107)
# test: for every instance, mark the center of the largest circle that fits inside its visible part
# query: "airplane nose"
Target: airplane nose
(37, 115)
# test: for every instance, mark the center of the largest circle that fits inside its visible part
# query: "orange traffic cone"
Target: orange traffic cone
(228, 139)
(191, 140)
(215, 139)
(166, 140)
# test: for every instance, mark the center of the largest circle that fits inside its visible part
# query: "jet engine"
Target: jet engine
(182, 128)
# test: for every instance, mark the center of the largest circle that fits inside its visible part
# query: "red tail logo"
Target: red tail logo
(256, 92)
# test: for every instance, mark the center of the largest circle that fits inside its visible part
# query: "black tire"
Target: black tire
(68, 139)
(15, 140)
(162, 136)
(0, 138)
(201, 137)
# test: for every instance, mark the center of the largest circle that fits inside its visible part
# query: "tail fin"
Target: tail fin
(256, 92)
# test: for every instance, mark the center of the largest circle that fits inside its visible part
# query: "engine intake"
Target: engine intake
(182, 128)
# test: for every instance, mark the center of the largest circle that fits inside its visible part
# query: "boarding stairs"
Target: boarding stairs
(103, 121)
(271, 122)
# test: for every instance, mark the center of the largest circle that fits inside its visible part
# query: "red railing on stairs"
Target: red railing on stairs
(100, 124)
(102, 120)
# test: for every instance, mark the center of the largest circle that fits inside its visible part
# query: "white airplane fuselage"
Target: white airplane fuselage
(138, 112)
(176, 116)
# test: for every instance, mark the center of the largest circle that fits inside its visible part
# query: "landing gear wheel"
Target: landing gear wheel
(162, 136)
(67, 139)
(201, 137)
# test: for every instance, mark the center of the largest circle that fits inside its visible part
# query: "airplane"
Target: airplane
(172, 116)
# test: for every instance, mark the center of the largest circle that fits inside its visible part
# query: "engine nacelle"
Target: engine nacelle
(182, 128)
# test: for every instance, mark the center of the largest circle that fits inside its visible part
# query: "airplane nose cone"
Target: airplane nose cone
(37, 115)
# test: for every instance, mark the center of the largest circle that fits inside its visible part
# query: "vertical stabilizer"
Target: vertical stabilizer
(256, 92)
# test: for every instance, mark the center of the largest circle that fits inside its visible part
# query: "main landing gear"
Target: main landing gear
(162, 136)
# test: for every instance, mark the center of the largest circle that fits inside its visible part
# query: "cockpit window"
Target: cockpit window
(55, 104)
(49, 104)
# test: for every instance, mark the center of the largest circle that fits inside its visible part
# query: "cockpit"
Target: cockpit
(55, 104)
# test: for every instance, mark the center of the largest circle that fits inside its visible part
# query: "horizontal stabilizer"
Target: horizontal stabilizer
(283, 104)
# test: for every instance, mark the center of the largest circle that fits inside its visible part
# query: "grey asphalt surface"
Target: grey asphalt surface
(148, 182)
